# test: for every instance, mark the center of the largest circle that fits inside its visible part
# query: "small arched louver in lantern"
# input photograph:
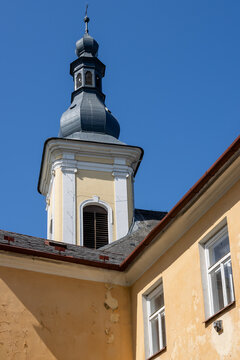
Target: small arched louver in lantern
(78, 80)
(88, 78)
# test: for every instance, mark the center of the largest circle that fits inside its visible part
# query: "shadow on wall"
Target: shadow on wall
(50, 317)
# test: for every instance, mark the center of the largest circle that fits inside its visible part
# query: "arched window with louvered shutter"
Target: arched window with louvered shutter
(95, 226)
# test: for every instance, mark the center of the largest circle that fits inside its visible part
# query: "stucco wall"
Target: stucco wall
(94, 183)
(45, 317)
(188, 336)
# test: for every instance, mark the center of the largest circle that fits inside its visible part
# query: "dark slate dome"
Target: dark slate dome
(86, 45)
(88, 113)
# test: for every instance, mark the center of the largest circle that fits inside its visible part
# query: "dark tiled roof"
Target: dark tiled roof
(112, 254)
(145, 221)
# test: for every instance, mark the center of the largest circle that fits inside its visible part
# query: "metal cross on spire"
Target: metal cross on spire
(86, 20)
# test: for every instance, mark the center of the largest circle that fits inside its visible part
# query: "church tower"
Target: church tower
(87, 174)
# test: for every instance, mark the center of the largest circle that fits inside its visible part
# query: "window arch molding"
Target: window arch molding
(96, 201)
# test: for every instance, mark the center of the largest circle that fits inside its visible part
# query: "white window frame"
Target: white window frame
(148, 318)
(219, 265)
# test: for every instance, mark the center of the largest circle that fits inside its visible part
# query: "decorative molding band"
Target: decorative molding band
(73, 165)
(121, 174)
(68, 170)
(55, 147)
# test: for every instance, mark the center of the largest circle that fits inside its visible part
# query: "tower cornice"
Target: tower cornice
(54, 148)
(85, 60)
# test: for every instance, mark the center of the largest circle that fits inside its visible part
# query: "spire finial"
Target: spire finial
(86, 20)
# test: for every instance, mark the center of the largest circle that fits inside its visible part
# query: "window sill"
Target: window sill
(156, 354)
(217, 313)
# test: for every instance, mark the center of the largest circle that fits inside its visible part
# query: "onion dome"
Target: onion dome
(86, 46)
(87, 116)
(88, 113)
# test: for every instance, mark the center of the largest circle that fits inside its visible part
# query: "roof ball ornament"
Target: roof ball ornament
(86, 45)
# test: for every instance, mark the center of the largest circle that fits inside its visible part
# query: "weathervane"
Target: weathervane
(86, 20)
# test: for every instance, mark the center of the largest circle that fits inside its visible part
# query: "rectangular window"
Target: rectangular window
(155, 321)
(219, 271)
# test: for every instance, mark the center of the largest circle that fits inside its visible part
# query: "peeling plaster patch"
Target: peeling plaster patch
(112, 304)
(189, 343)
(107, 331)
(93, 327)
(238, 257)
(109, 286)
(201, 340)
(177, 345)
(238, 323)
(195, 299)
(190, 328)
(114, 318)
(110, 339)
(223, 343)
(110, 301)
(94, 308)
(110, 336)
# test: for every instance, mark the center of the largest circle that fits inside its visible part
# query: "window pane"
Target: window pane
(218, 250)
(217, 292)
(156, 303)
(163, 329)
(155, 336)
(229, 281)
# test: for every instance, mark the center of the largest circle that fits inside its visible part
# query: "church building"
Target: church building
(111, 281)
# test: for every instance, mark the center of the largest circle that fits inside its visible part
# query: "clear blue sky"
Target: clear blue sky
(172, 80)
